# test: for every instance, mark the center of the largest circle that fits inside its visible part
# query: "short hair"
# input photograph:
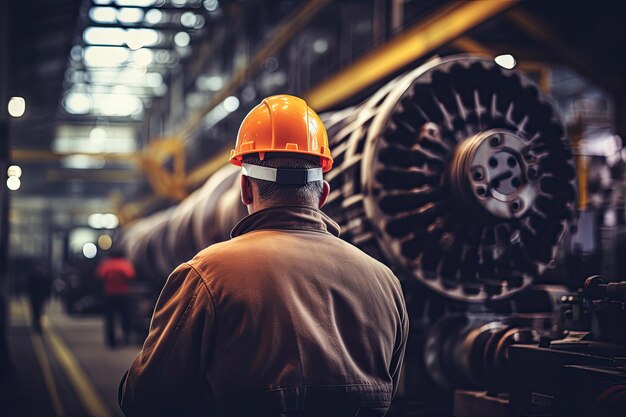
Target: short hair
(307, 194)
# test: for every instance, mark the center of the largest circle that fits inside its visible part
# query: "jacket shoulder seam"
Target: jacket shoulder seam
(181, 322)
(206, 286)
(190, 305)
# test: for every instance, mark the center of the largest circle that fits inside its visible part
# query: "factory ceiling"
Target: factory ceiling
(40, 36)
(90, 69)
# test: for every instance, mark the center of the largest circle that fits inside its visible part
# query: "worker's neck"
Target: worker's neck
(258, 205)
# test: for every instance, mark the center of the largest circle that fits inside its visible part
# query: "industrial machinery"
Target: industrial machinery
(582, 373)
(460, 177)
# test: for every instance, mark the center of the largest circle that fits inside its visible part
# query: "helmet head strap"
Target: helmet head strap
(288, 176)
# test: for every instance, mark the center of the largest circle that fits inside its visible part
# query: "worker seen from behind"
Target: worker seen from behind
(116, 272)
(285, 318)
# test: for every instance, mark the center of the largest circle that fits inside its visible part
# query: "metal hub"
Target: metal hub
(467, 178)
(490, 169)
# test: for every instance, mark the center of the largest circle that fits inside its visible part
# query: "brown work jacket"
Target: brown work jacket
(283, 319)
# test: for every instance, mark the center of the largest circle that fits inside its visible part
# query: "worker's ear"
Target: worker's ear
(246, 191)
(325, 192)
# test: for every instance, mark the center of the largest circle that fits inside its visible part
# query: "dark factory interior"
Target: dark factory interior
(477, 157)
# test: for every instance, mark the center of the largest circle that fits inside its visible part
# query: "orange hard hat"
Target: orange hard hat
(286, 124)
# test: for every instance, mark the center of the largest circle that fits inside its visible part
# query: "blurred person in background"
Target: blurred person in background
(116, 272)
(38, 284)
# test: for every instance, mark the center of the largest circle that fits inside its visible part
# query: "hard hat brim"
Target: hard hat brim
(326, 161)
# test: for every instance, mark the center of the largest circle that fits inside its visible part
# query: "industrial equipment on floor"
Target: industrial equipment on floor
(459, 176)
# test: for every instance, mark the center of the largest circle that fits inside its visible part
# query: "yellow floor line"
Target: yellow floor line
(44, 365)
(87, 393)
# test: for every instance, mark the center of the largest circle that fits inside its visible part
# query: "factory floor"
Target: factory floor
(65, 371)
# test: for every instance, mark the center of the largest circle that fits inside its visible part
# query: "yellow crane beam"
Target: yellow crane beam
(32, 155)
(441, 27)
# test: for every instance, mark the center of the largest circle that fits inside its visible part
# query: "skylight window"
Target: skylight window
(119, 63)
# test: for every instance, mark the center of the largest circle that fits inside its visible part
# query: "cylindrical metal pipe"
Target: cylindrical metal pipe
(159, 243)
(403, 188)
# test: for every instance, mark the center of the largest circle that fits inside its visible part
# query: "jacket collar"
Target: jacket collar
(286, 218)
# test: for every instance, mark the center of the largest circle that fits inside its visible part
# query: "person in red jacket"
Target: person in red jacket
(116, 271)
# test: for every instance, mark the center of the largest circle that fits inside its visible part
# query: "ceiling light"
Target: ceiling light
(153, 16)
(275, 78)
(95, 221)
(129, 15)
(195, 100)
(13, 183)
(17, 106)
(212, 83)
(102, 14)
(90, 250)
(248, 93)
(79, 161)
(505, 61)
(104, 56)
(14, 171)
(143, 57)
(211, 5)
(182, 39)
(71, 140)
(320, 46)
(122, 105)
(138, 38)
(105, 242)
(154, 79)
(120, 89)
(160, 90)
(139, 3)
(98, 133)
(104, 36)
(77, 103)
(76, 53)
(75, 77)
(126, 76)
(199, 22)
(219, 113)
(231, 104)
(188, 19)
(164, 57)
(110, 221)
